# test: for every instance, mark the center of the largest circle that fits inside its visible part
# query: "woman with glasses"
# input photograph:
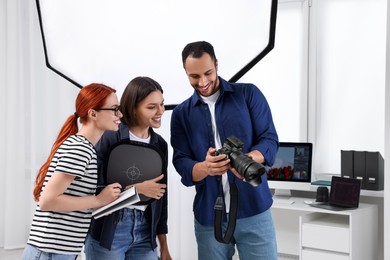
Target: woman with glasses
(130, 233)
(66, 183)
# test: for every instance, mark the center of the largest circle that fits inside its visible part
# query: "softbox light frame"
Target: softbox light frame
(242, 41)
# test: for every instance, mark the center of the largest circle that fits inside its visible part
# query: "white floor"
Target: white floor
(17, 255)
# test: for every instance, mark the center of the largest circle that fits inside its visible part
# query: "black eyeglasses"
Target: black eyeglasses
(115, 109)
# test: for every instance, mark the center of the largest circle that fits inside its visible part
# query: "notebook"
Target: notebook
(344, 194)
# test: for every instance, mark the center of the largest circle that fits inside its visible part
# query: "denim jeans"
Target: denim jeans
(254, 237)
(33, 253)
(131, 240)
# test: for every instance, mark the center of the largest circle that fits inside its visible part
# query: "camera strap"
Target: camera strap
(219, 211)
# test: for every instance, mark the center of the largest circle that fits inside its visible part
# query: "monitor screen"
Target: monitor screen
(292, 167)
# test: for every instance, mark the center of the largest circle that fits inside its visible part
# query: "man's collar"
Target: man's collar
(224, 86)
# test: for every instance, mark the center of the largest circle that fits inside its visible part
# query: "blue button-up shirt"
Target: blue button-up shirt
(241, 110)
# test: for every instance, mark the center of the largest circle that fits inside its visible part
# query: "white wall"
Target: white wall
(2, 103)
(283, 74)
(181, 238)
(35, 102)
(387, 143)
(350, 79)
(348, 71)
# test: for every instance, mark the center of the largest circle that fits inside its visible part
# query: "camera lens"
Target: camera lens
(247, 168)
(253, 174)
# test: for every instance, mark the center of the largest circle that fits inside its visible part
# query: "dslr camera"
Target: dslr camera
(245, 166)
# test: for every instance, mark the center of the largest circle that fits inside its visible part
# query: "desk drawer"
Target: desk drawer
(318, 255)
(326, 237)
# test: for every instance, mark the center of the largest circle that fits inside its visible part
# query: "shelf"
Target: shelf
(330, 220)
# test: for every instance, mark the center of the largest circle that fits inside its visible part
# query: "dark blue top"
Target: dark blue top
(241, 110)
(103, 229)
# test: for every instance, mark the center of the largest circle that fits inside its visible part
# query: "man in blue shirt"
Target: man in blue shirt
(199, 126)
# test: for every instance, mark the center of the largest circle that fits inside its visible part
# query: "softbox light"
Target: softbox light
(113, 41)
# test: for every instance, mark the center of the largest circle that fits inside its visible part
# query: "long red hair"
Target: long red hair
(90, 97)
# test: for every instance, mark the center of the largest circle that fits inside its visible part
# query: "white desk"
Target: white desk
(314, 233)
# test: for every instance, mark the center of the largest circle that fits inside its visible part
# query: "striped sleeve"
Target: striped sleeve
(73, 158)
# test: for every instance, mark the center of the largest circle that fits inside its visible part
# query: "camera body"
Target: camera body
(245, 166)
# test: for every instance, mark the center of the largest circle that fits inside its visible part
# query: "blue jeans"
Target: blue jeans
(254, 237)
(132, 240)
(33, 253)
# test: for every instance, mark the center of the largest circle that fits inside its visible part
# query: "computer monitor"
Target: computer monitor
(291, 169)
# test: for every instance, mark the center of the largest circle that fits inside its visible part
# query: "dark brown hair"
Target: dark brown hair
(196, 50)
(136, 91)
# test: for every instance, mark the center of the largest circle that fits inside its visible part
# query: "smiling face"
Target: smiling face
(148, 112)
(202, 74)
(109, 119)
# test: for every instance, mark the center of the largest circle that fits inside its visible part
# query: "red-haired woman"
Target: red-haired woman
(66, 182)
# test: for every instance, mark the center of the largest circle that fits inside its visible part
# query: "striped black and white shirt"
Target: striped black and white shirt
(65, 232)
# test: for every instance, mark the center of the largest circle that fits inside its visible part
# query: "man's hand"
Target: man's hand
(216, 164)
(256, 156)
(212, 165)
